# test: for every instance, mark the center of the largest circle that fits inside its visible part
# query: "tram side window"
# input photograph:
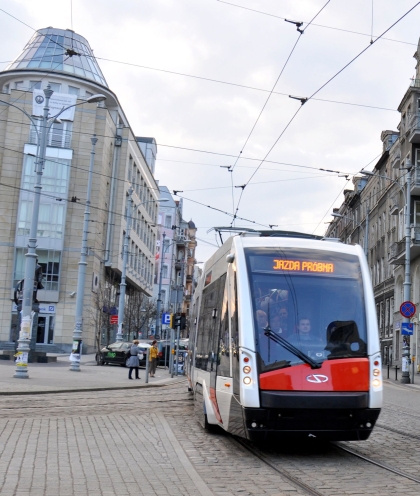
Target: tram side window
(223, 367)
(207, 345)
(233, 302)
(213, 345)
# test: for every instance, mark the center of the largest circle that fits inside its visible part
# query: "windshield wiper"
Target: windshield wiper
(289, 347)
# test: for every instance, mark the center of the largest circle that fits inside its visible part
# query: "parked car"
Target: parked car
(166, 344)
(119, 353)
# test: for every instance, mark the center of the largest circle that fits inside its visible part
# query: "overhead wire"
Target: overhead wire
(105, 210)
(305, 100)
(300, 166)
(314, 24)
(298, 24)
(329, 210)
(193, 76)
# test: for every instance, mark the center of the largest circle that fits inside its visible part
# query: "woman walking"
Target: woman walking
(133, 361)
(153, 358)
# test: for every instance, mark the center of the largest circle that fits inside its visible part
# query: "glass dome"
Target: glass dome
(48, 49)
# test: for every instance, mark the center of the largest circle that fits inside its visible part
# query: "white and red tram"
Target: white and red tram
(285, 339)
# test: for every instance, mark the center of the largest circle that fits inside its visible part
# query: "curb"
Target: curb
(83, 390)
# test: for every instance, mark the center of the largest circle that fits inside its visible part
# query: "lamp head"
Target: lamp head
(96, 98)
(367, 173)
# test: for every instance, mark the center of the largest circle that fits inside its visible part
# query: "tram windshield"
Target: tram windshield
(313, 299)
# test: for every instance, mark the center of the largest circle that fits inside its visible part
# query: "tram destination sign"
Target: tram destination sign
(302, 266)
(407, 309)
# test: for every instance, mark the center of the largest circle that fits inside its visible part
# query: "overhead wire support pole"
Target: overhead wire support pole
(30, 263)
(123, 284)
(78, 329)
(405, 376)
(158, 324)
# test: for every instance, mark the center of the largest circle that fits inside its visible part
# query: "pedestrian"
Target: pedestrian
(153, 358)
(133, 361)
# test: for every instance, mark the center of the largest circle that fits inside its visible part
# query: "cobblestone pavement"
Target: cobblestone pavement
(146, 442)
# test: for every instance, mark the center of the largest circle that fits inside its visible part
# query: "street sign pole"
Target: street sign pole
(407, 310)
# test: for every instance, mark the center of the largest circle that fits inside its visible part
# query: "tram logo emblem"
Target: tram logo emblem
(317, 378)
(39, 99)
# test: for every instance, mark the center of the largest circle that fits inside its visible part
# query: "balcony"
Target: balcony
(413, 128)
(397, 250)
(415, 180)
(189, 278)
(180, 240)
(397, 253)
(178, 264)
(394, 204)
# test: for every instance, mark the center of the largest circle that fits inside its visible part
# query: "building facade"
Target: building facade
(373, 214)
(175, 259)
(123, 162)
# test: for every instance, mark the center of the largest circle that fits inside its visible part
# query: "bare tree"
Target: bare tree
(139, 312)
(104, 306)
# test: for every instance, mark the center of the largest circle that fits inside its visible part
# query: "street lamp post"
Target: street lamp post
(78, 329)
(159, 299)
(123, 284)
(30, 261)
(405, 376)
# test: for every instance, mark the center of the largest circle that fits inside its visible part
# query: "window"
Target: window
(166, 246)
(401, 224)
(55, 177)
(417, 213)
(59, 135)
(168, 221)
(74, 91)
(6, 88)
(56, 87)
(88, 94)
(164, 271)
(50, 263)
(35, 85)
(50, 221)
(19, 85)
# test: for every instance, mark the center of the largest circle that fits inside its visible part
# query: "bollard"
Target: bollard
(388, 371)
(147, 365)
(396, 368)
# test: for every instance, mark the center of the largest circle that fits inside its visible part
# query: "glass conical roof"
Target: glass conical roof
(48, 49)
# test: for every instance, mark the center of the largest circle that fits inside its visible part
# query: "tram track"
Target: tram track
(337, 446)
(397, 431)
(384, 466)
(284, 473)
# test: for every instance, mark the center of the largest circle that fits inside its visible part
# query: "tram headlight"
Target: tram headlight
(376, 382)
(376, 372)
(247, 381)
(247, 369)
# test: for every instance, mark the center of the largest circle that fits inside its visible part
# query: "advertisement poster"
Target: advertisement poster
(21, 359)
(76, 351)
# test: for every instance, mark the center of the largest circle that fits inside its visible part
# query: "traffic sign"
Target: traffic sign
(407, 309)
(113, 319)
(166, 318)
(407, 328)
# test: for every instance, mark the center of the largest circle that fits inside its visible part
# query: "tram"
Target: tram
(284, 339)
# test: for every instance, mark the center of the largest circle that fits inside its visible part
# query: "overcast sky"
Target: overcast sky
(219, 41)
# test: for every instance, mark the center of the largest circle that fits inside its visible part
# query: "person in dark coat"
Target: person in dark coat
(133, 361)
